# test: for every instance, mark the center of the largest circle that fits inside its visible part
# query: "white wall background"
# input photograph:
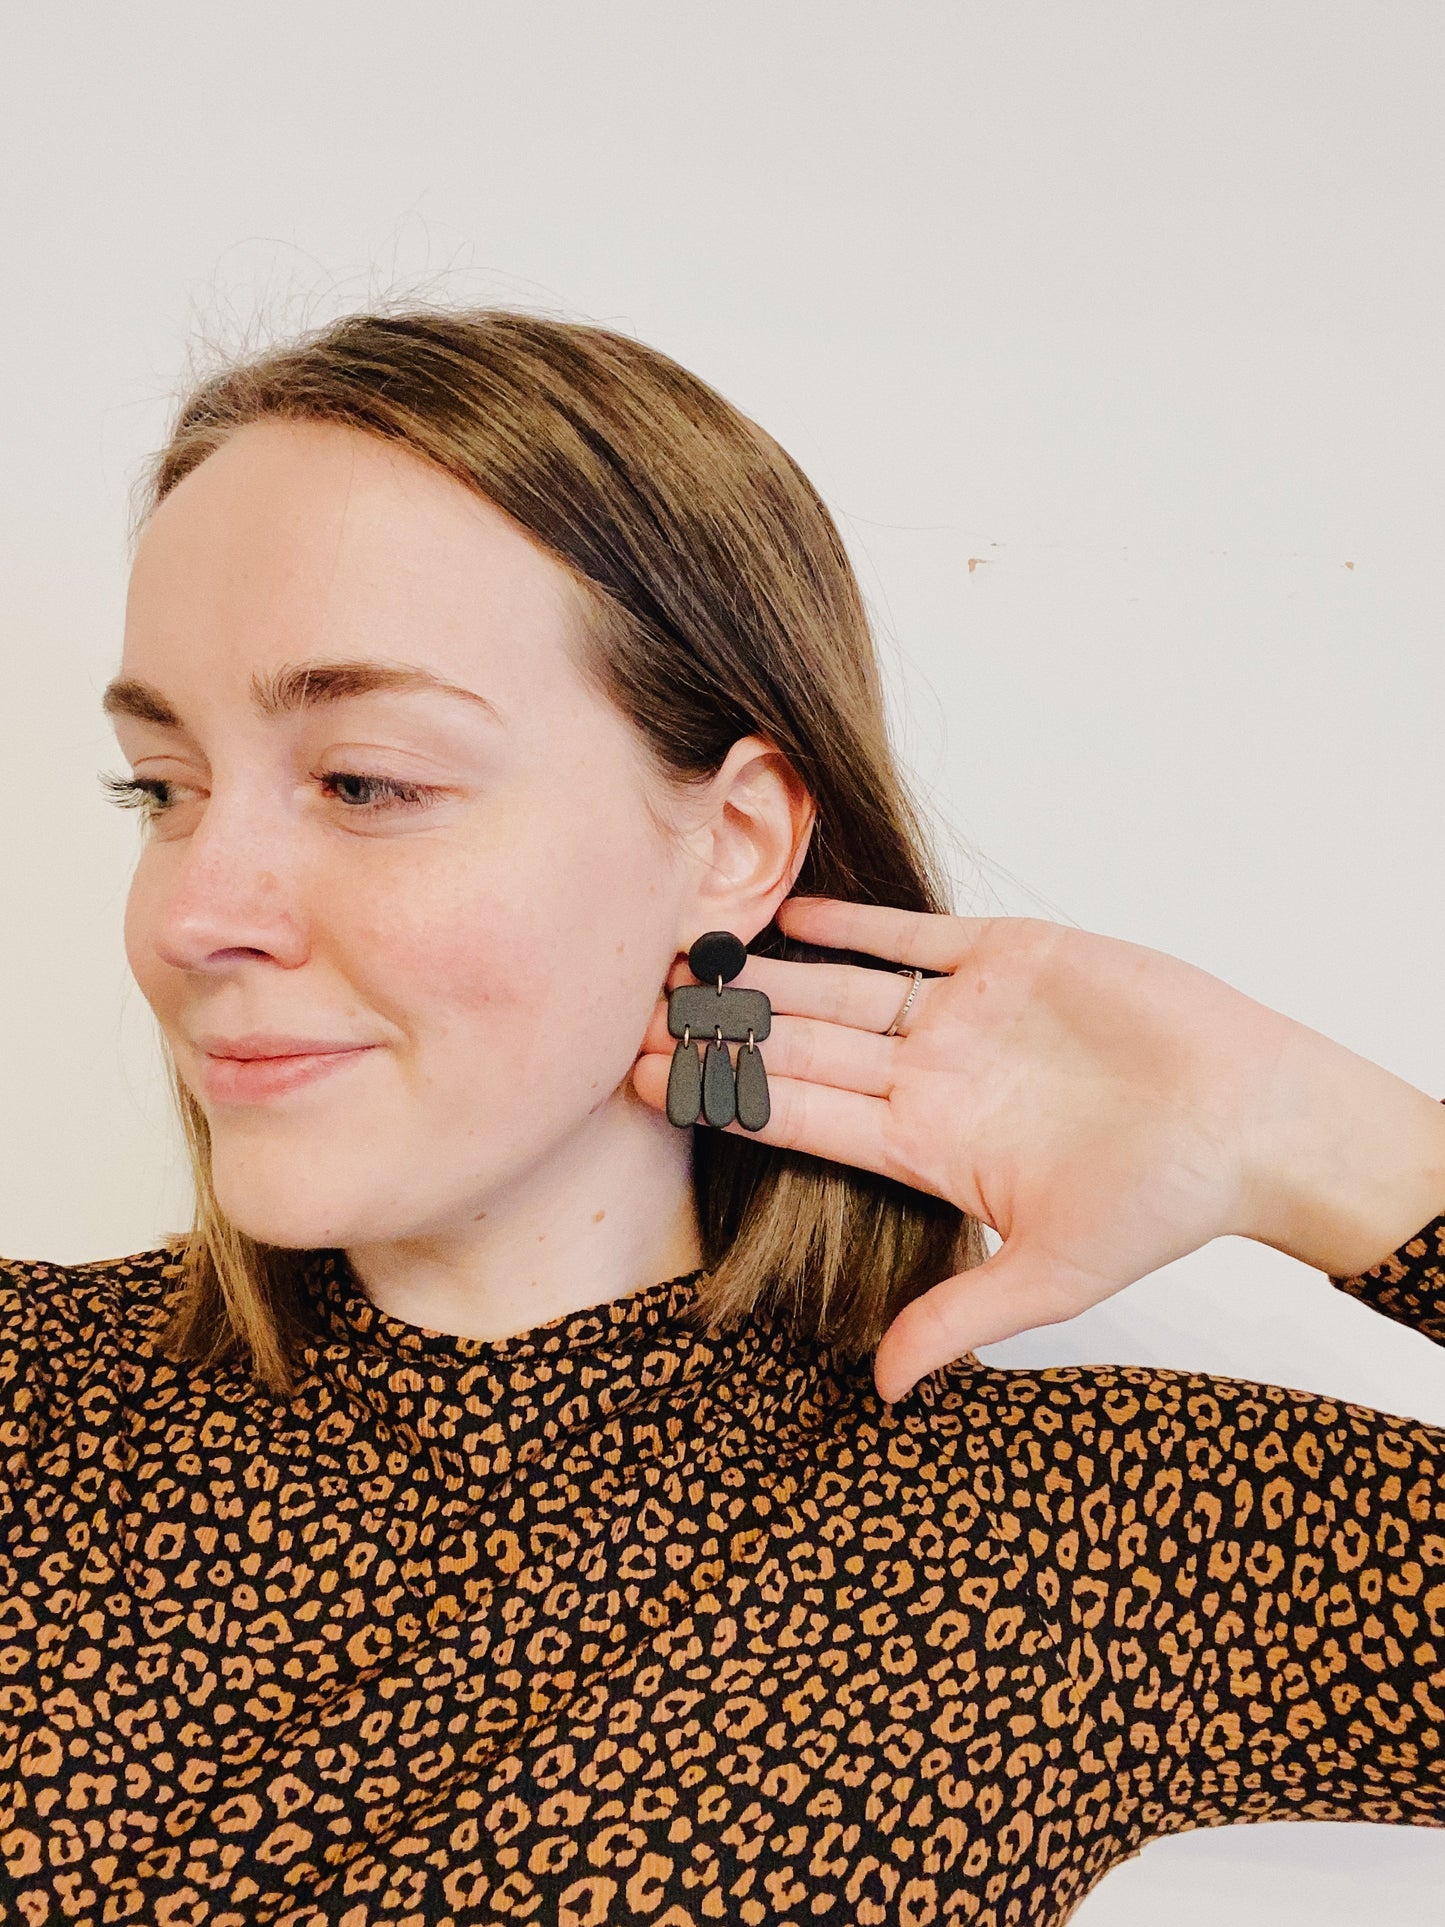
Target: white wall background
(1112, 334)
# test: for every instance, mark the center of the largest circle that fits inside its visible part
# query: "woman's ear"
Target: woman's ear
(749, 833)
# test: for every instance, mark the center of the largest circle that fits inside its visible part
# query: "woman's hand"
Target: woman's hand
(1104, 1107)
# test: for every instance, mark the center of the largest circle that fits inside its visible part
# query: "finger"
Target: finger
(842, 1126)
(809, 1051)
(837, 993)
(1014, 1291)
(850, 994)
(657, 1037)
(923, 938)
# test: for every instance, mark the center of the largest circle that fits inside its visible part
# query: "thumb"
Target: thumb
(1015, 1290)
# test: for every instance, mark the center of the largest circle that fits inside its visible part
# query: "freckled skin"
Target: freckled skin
(504, 946)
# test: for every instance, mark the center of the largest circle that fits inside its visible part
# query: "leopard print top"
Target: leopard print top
(618, 1621)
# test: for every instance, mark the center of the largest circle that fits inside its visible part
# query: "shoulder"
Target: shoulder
(1048, 1448)
(97, 1283)
(1018, 1439)
(957, 1430)
(944, 1417)
(913, 1516)
(54, 1318)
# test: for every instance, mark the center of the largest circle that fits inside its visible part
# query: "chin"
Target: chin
(299, 1225)
(298, 1209)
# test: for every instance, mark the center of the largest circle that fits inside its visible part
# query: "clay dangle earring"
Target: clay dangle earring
(705, 1009)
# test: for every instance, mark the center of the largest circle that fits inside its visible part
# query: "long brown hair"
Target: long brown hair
(724, 604)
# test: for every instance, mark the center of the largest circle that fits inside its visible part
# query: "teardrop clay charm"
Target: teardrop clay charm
(752, 1081)
(684, 1086)
(719, 1092)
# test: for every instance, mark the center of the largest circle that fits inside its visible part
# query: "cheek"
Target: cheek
(142, 911)
(539, 962)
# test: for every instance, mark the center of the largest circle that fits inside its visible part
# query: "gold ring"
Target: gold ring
(917, 976)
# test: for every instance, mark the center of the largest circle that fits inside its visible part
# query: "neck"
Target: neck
(608, 1212)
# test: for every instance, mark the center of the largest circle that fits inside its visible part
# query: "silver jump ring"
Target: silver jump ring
(917, 976)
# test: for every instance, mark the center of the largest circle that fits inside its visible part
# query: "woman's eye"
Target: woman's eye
(151, 795)
(372, 792)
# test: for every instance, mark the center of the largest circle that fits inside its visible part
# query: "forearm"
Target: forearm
(1348, 1160)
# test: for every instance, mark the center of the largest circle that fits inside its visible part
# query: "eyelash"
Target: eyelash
(147, 793)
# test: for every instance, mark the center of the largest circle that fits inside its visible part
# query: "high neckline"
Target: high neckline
(669, 1306)
(476, 1408)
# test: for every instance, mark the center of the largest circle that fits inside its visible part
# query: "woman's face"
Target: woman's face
(471, 893)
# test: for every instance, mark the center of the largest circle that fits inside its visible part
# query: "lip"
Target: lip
(272, 1043)
(248, 1070)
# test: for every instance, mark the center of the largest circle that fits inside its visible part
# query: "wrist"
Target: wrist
(1348, 1160)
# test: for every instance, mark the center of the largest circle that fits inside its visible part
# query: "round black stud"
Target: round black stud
(718, 953)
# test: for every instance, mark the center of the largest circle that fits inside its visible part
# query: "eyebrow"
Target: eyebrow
(294, 686)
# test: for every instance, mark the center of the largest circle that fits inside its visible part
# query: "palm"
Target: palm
(1087, 1098)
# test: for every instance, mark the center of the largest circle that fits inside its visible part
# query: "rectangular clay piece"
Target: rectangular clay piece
(703, 1010)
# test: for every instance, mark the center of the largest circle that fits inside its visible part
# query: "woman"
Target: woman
(494, 1509)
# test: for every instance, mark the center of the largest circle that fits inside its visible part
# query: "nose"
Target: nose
(229, 890)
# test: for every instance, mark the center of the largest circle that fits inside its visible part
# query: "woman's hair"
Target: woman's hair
(723, 605)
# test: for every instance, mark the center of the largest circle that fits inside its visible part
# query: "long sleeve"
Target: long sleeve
(1247, 1586)
(1409, 1285)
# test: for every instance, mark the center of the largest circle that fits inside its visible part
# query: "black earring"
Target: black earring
(705, 1009)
